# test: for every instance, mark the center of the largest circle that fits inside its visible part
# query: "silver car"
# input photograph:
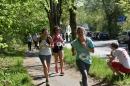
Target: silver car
(124, 37)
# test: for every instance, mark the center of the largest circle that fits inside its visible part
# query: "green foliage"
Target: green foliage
(68, 58)
(2, 45)
(20, 17)
(12, 72)
(125, 5)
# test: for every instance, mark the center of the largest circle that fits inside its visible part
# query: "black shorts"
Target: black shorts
(56, 49)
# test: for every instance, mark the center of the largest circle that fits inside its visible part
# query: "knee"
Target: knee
(45, 67)
(84, 74)
(108, 64)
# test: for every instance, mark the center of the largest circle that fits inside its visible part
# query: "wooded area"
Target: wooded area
(19, 17)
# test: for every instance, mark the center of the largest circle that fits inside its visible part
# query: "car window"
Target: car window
(124, 33)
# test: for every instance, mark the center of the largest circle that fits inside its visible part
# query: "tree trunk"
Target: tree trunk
(73, 22)
(54, 14)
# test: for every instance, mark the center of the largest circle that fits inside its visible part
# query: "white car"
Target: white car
(124, 37)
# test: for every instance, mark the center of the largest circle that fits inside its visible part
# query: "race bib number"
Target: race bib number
(84, 56)
(59, 44)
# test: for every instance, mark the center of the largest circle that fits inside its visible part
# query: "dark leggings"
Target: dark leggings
(29, 45)
(84, 70)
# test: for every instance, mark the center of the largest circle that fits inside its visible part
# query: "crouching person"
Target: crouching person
(123, 63)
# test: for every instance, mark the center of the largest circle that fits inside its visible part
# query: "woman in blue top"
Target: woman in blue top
(83, 46)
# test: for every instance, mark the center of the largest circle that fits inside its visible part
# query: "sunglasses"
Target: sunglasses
(57, 29)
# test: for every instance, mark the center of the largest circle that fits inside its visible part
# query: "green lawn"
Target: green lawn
(12, 72)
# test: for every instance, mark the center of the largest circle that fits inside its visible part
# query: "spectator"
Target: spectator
(123, 64)
(29, 41)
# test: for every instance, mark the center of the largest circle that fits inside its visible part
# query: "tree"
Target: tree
(111, 12)
(54, 11)
(73, 25)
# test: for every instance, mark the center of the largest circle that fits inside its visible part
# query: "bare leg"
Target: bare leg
(61, 56)
(56, 62)
(56, 58)
(45, 69)
(113, 69)
(48, 65)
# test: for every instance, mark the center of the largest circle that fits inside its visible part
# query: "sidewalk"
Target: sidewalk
(34, 67)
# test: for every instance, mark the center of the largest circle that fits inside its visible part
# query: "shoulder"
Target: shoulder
(90, 43)
(49, 37)
(60, 34)
(88, 39)
(119, 50)
(74, 41)
(53, 35)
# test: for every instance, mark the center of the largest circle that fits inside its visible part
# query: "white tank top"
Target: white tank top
(44, 50)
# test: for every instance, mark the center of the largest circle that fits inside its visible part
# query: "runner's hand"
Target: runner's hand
(83, 44)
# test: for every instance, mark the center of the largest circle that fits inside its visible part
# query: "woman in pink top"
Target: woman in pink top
(58, 48)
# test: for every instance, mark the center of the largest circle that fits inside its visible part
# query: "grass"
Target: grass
(12, 72)
(99, 69)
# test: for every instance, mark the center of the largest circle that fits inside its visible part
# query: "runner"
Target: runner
(35, 37)
(45, 52)
(83, 46)
(29, 41)
(58, 49)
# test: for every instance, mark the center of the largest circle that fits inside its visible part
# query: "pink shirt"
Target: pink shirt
(57, 37)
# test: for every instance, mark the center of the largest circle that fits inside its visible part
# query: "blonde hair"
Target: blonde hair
(81, 28)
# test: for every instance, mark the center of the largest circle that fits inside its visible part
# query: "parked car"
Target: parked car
(89, 33)
(97, 34)
(124, 37)
(103, 35)
(94, 34)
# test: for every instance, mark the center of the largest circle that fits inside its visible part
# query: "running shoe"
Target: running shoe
(47, 83)
(80, 82)
(62, 72)
(56, 69)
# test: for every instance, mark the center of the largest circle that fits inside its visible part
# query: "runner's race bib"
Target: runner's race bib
(84, 56)
(59, 44)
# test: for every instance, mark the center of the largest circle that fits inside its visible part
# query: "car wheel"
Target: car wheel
(119, 41)
(124, 41)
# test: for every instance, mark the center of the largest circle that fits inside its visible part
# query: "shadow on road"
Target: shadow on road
(40, 83)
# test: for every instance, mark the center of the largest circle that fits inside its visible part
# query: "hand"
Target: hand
(83, 44)
(63, 43)
(46, 45)
(108, 55)
(73, 53)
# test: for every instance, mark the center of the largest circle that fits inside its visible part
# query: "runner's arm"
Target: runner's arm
(73, 50)
(51, 42)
